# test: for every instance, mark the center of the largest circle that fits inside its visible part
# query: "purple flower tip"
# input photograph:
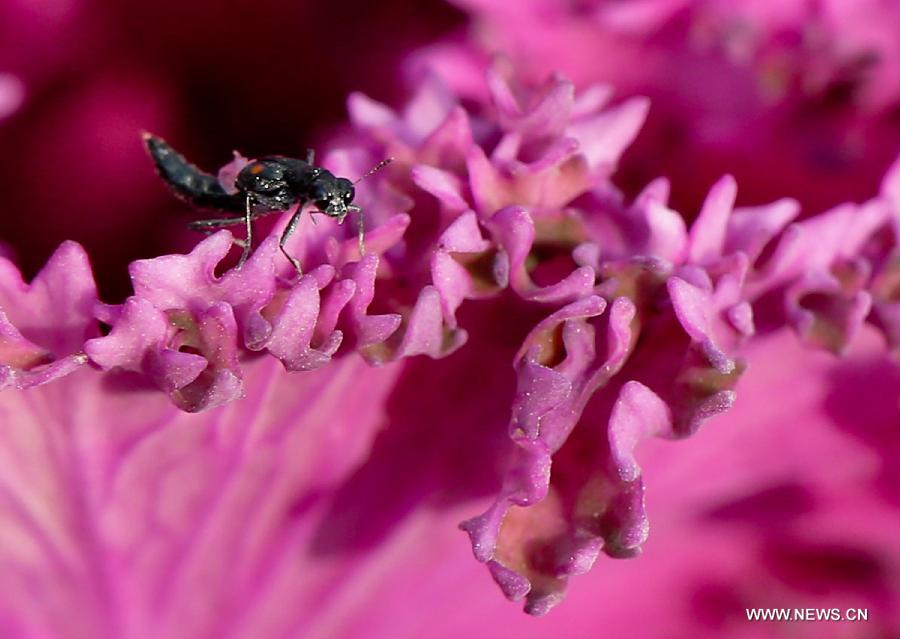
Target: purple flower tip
(44, 324)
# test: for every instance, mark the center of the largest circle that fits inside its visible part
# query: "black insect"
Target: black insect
(268, 185)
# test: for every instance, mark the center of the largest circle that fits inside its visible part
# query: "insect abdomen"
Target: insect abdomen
(187, 181)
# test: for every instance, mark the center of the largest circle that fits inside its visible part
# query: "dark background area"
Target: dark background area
(261, 76)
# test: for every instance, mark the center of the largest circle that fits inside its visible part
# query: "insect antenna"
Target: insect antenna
(375, 169)
(359, 214)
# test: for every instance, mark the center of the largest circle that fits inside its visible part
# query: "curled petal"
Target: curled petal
(694, 309)
(293, 328)
(638, 414)
(424, 332)
(63, 290)
(751, 228)
(605, 136)
(445, 186)
(666, 232)
(815, 244)
(139, 342)
(548, 114)
(530, 540)
(462, 266)
(43, 325)
(220, 382)
(826, 313)
(377, 241)
(707, 236)
(514, 232)
(369, 329)
(548, 183)
(189, 281)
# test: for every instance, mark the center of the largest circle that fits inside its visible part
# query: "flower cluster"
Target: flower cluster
(809, 86)
(630, 320)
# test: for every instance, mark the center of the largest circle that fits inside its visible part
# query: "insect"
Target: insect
(268, 185)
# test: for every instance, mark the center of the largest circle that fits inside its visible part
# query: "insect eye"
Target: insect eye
(323, 205)
(349, 195)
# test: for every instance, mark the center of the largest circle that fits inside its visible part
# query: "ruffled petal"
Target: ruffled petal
(43, 325)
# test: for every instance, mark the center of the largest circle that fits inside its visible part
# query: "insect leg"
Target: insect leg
(248, 242)
(234, 240)
(360, 228)
(288, 231)
(219, 223)
(211, 225)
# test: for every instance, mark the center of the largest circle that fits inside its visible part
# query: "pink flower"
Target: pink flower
(809, 86)
(320, 507)
(43, 325)
(575, 324)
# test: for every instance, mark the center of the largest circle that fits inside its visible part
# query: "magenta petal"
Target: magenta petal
(707, 235)
(694, 309)
(513, 585)
(451, 278)
(120, 505)
(293, 328)
(464, 235)
(446, 187)
(452, 139)
(424, 333)
(337, 297)
(815, 244)
(366, 113)
(13, 377)
(553, 156)
(513, 231)
(605, 136)
(541, 389)
(188, 281)
(751, 228)
(638, 414)
(550, 182)
(370, 329)
(429, 106)
(527, 531)
(547, 115)
(140, 327)
(54, 311)
(139, 342)
(377, 241)
(666, 232)
(824, 314)
(220, 382)
(453, 283)
(887, 317)
(174, 281)
(485, 183)
(16, 352)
